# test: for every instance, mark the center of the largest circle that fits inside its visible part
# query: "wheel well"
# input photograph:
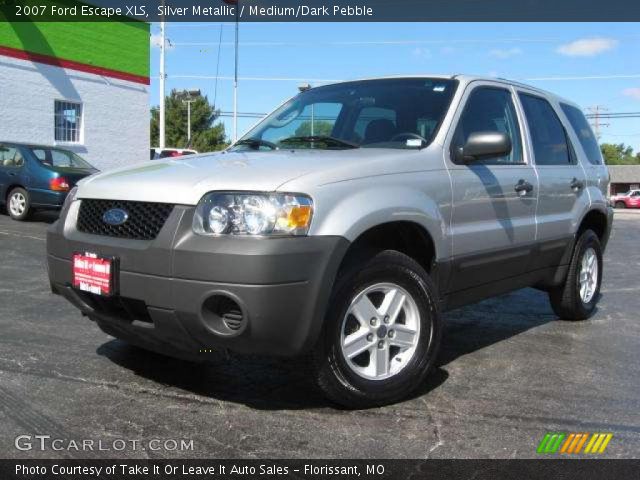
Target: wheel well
(596, 221)
(9, 189)
(406, 237)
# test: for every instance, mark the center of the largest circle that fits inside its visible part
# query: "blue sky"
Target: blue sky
(541, 54)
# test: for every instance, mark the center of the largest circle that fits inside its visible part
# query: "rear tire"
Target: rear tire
(621, 205)
(384, 306)
(577, 297)
(19, 204)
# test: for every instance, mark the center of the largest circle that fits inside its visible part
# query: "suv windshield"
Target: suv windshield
(389, 113)
(54, 157)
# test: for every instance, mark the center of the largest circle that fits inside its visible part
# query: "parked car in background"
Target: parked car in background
(158, 153)
(630, 199)
(37, 177)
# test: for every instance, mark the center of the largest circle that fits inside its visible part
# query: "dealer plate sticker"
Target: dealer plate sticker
(93, 274)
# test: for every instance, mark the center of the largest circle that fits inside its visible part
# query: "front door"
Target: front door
(494, 199)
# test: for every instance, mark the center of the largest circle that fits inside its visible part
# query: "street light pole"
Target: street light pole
(190, 94)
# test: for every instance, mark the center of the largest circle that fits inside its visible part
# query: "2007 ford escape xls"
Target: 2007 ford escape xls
(342, 225)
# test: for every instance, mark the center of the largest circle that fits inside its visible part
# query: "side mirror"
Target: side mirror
(482, 145)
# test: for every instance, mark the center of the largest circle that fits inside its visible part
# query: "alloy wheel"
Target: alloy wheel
(380, 331)
(588, 275)
(17, 204)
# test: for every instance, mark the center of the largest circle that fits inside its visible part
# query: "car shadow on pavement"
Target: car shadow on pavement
(268, 383)
(39, 216)
(480, 325)
(263, 383)
(45, 216)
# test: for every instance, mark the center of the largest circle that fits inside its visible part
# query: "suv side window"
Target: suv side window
(584, 133)
(549, 139)
(490, 109)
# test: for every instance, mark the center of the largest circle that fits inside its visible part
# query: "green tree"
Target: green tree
(320, 127)
(619, 154)
(206, 134)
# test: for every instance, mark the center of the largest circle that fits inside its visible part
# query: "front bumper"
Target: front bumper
(170, 288)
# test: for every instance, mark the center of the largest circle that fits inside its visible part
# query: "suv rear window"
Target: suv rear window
(585, 134)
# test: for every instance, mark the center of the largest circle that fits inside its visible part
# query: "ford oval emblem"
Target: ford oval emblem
(115, 217)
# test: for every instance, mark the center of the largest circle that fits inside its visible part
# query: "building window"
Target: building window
(68, 121)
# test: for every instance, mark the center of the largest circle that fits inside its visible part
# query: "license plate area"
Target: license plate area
(94, 274)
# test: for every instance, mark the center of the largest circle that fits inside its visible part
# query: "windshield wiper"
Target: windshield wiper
(326, 139)
(256, 143)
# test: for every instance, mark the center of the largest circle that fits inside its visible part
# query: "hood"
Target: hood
(185, 181)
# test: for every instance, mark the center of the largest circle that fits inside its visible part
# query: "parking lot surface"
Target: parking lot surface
(508, 373)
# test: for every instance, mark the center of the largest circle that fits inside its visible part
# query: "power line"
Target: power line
(365, 43)
(328, 80)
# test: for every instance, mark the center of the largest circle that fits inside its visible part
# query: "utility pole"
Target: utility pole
(597, 124)
(235, 77)
(162, 79)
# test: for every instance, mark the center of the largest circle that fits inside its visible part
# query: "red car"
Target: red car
(631, 199)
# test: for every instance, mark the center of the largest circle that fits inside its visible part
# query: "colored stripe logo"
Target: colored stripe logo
(573, 443)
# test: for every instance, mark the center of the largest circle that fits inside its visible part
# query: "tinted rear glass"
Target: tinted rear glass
(585, 134)
(550, 145)
(59, 158)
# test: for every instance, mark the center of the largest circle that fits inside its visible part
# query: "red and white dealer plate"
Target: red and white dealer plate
(94, 274)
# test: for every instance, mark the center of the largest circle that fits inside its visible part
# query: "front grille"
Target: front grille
(144, 222)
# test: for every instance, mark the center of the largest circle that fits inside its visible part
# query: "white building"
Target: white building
(84, 87)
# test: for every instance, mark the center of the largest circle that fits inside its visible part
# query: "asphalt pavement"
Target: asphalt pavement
(508, 373)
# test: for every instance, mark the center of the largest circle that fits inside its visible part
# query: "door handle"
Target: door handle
(12, 174)
(576, 184)
(523, 187)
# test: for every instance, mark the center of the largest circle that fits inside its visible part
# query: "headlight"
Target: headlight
(220, 213)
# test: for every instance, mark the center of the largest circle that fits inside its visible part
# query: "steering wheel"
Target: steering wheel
(406, 136)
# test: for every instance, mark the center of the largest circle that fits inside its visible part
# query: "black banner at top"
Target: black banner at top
(322, 10)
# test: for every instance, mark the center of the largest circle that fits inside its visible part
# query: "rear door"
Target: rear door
(563, 194)
(492, 226)
(597, 174)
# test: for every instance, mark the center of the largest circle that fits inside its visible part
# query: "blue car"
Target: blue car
(37, 177)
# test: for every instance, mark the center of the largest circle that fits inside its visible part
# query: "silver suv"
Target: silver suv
(341, 226)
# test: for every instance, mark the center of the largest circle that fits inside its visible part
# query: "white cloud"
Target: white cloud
(155, 40)
(632, 92)
(420, 52)
(505, 52)
(587, 47)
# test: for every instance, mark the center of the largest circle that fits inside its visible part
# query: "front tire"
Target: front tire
(19, 204)
(621, 205)
(577, 297)
(381, 333)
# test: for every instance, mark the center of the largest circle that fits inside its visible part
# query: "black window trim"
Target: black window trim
(573, 157)
(487, 86)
